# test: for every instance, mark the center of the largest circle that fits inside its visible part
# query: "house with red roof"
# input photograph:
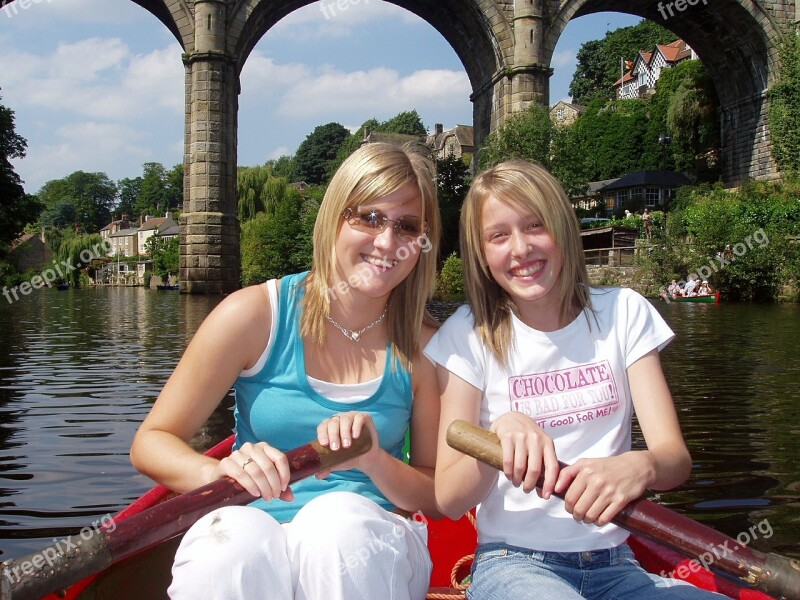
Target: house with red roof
(640, 80)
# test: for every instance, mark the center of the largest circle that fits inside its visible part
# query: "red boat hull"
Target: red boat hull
(147, 575)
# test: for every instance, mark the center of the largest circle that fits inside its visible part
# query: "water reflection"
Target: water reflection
(79, 371)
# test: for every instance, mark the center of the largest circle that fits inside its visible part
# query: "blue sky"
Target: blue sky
(97, 85)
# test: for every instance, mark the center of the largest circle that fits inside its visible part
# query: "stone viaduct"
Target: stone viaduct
(506, 47)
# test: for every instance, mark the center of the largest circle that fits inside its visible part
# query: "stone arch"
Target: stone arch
(506, 47)
(482, 38)
(176, 16)
(738, 44)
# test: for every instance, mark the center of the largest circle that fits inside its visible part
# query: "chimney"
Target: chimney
(439, 128)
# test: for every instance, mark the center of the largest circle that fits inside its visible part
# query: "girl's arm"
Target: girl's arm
(461, 481)
(409, 487)
(230, 340)
(596, 489)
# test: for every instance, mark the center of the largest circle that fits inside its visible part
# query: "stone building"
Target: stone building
(458, 142)
(564, 113)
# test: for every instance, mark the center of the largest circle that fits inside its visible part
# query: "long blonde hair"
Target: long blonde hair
(529, 187)
(371, 172)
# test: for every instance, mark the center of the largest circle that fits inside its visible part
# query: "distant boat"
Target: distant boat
(706, 299)
(168, 287)
(62, 286)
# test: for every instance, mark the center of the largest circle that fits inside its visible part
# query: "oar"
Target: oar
(771, 573)
(72, 559)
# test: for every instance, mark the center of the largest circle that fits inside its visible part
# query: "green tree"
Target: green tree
(61, 214)
(611, 137)
(283, 166)
(16, 208)
(568, 160)
(685, 106)
(452, 185)
(73, 250)
(174, 188)
(129, 190)
(165, 255)
(153, 196)
(92, 194)
(525, 135)
(317, 151)
(259, 190)
(599, 61)
(407, 123)
(274, 245)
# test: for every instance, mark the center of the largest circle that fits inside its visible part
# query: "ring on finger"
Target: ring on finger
(247, 462)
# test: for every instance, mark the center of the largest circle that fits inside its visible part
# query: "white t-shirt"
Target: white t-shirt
(573, 383)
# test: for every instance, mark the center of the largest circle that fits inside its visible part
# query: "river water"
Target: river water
(79, 370)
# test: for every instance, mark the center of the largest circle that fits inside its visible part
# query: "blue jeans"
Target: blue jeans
(500, 572)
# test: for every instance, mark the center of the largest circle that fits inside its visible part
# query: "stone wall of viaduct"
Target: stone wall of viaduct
(506, 47)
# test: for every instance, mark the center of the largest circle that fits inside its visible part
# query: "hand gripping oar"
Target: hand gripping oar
(771, 573)
(72, 559)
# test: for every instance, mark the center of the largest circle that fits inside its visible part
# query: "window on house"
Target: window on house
(652, 196)
(560, 114)
(610, 200)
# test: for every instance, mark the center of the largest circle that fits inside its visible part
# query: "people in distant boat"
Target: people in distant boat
(704, 289)
(555, 368)
(673, 289)
(647, 218)
(689, 288)
(320, 355)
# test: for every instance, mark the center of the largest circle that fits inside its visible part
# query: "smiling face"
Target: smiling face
(524, 260)
(375, 264)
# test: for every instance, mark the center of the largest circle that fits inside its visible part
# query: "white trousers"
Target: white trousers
(340, 545)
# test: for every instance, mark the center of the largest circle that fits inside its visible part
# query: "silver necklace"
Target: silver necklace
(356, 335)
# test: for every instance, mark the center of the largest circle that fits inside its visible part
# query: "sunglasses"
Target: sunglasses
(370, 220)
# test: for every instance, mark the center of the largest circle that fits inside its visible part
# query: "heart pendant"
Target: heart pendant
(354, 336)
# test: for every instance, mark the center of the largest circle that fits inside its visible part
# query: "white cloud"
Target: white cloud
(564, 58)
(86, 146)
(97, 78)
(84, 11)
(379, 91)
(338, 19)
(278, 152)
(262, 77)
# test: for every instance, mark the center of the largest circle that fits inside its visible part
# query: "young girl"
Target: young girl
(555, 368)
(325, 355)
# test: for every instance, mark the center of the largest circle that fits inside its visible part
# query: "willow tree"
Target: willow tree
(78, 252)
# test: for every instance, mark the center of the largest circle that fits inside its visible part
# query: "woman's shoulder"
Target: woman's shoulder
(243, 310)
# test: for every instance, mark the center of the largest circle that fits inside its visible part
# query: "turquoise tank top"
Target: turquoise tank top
(277, 405)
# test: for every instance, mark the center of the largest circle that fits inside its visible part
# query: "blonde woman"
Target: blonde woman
(555, 368)
(322, 354)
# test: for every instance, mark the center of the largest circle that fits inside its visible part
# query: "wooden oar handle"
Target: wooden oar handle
(774, 574)
(72, 559)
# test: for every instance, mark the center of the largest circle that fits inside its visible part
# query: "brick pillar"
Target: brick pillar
(530, 76)
(209, 261)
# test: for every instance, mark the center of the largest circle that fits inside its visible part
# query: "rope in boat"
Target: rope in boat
(461, 588)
